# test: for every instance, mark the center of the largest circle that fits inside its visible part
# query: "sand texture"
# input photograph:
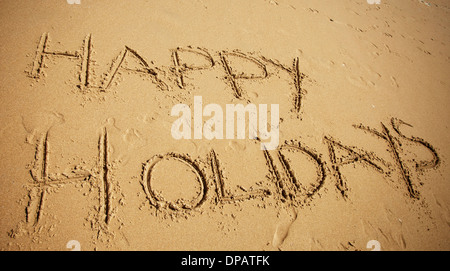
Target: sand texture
(88, 160)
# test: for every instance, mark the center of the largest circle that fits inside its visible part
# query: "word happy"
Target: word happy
(174, 76)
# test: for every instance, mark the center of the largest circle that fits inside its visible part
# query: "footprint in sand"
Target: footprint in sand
(38, 123)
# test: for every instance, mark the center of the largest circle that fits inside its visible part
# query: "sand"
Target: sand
(88, 160)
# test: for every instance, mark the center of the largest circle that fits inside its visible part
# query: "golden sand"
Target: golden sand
(88, 160)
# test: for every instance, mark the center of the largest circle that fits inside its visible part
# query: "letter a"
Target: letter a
(183, 122)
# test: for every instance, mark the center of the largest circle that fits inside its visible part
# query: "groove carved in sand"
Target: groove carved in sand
(162, 77)
(42, 180)
(289, 188)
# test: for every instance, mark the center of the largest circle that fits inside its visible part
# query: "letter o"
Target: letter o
(158, 202)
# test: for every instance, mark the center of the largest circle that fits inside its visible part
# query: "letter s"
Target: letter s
(434, 163)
